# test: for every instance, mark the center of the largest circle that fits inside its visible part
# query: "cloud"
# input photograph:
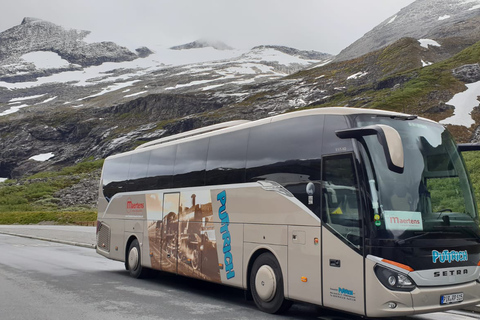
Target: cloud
(322, 25)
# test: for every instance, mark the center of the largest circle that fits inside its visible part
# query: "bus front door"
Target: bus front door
(171, 204)
(342, 248)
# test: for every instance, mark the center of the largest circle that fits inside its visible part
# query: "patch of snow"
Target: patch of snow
(161, 58)
(428, 42)
(45, 60)
(320, 77)
(13, 110)
(26, 98)
(111, 88)
(125, 91)
(78, 106)
(391, 20)
(474, 7)
(135, 94)
(213, 86)
(272, 55)
(357, 75)
(3, 179)
(426, 64)
(42, 157)
(198, 82)
(464, 102)
(443, 17)
(48, 100)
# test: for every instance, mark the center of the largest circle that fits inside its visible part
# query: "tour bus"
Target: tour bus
(366, 211)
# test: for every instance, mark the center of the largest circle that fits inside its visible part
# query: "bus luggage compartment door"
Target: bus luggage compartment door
(304, 264)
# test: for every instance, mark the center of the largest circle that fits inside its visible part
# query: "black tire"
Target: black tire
(134, 261)
(266, 285)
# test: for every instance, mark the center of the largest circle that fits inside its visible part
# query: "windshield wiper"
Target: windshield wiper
(402, 241)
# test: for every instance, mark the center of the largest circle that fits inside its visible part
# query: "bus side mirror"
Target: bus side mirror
(468, 147)
(388, 137)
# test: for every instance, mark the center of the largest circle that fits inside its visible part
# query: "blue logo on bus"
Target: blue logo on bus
(449, 256)
(223, 215)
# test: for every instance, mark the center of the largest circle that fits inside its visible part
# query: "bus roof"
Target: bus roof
(242, 124)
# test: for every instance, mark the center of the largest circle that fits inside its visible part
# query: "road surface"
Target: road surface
(46, 280)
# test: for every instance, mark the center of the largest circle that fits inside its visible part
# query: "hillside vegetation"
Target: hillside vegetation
(36, 198)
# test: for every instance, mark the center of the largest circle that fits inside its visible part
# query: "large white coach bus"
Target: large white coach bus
(365, 211)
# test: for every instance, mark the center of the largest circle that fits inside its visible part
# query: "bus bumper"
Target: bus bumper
(383, 302)
(387, 303)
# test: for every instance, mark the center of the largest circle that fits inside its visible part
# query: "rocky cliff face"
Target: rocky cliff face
(454, 22)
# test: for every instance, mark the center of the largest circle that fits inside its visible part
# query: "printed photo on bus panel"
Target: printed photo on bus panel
(169, 232)
(340, 197)
(154, 225)
(197, 246)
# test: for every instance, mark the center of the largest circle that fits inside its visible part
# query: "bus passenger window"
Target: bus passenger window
(340, 197)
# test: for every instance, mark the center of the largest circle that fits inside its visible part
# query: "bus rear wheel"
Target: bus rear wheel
(266, 284)
(134, 260)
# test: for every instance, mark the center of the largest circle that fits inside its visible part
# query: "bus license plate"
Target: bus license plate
(451, 298)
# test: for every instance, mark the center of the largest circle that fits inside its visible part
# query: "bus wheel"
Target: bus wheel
(133, 260)
(266, 283)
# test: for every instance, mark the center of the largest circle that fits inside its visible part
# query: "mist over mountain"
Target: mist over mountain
(203, 43)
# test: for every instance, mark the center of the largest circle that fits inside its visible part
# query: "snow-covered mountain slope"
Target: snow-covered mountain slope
(41, 75)
(35, 35)
(423, 19)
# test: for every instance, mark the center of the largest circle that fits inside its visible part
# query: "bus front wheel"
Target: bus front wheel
(266, 284)
(134, 260)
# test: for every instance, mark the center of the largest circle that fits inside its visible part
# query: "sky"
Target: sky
(322, 25)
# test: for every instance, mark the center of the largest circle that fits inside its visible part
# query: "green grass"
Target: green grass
(32, 199)
(80, 168)
(472, 160)
(58, 217)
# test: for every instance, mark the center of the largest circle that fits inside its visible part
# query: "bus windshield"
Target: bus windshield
(432, 198)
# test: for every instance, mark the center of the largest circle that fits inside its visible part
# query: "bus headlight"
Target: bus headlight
(394, 280)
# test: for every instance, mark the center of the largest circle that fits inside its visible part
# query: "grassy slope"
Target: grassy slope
(32, 199)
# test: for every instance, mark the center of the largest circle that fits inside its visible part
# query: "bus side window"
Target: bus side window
(227, 155)
(160, 168)
(190, 163)
(340, 208)
(289, 153)
(115, 176)
(138, 171)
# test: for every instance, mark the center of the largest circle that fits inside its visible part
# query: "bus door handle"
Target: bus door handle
(335, 263)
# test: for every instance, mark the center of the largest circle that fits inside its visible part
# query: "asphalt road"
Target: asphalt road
(46, 280)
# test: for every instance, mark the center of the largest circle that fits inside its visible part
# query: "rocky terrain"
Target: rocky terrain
(87, 111)
(451, 20)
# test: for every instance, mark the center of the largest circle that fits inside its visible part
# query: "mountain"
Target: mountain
(38, 36)
(75, 109)
(39, 70)
(203, 43)
(453, 23)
